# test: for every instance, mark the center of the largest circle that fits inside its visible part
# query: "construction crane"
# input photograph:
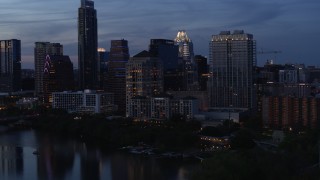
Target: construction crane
(270, 52)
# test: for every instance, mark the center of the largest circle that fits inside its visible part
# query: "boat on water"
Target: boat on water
(36, 152)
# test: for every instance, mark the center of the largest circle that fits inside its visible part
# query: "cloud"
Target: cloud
(140, 20)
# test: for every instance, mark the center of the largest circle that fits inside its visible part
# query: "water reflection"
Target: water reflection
(60, 158)
(55, 158)
(133, 167)
(11, 161)
(90, 160)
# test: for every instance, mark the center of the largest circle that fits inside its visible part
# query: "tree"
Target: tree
(242, 139)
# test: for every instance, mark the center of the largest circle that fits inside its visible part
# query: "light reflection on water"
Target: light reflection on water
(71, 160)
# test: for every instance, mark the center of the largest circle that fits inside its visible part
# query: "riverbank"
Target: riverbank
(122, 132)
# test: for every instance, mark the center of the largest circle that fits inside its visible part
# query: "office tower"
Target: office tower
(232, 61)
(10, 65)
(87, 46)
(57, 76)
(203, 68)
(144, 76)
(103, 57)
(166, 50)
(116, 76)
(186, 55)
(41, 50)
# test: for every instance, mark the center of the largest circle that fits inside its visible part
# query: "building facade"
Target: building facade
(116, 75)
(57, 76)
(139, 107)
(103, 57)
(10, 65)
(144, 76)
(166, 50)
(161, 107)
(203, 70)
(41, 50)
(201, 96)
(86, 101)
(187, 107)
(285, 112)
(87, 46)
(232, 61)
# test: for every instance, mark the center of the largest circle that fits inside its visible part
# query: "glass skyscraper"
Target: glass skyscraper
(232, 61)
(87, 46)
(10, 65)
(166, 50)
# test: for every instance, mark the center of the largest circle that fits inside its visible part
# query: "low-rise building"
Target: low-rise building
(187, 106)
(139, 107)
(290, 112)
(86, 101)
(27, 102)
(161, 107)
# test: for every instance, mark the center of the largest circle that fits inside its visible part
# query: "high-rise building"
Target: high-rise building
(116, 75)
(41, 50)
(57, 76)
(87, 46)
(185, 46)
(203, 68)
(144, 76)
(10, 65)
(103, 57)
(186, 56)
(166, 50)
(232, 61)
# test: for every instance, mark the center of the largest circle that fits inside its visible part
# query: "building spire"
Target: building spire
(87, 3)
(182, 36)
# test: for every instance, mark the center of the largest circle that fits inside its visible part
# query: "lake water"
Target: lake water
(59, 158)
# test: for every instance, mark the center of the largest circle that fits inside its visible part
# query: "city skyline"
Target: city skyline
(287, 26)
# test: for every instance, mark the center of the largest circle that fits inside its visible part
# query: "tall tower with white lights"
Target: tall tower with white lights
(186, 56)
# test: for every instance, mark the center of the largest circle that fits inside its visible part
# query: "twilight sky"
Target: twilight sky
(290, 26)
